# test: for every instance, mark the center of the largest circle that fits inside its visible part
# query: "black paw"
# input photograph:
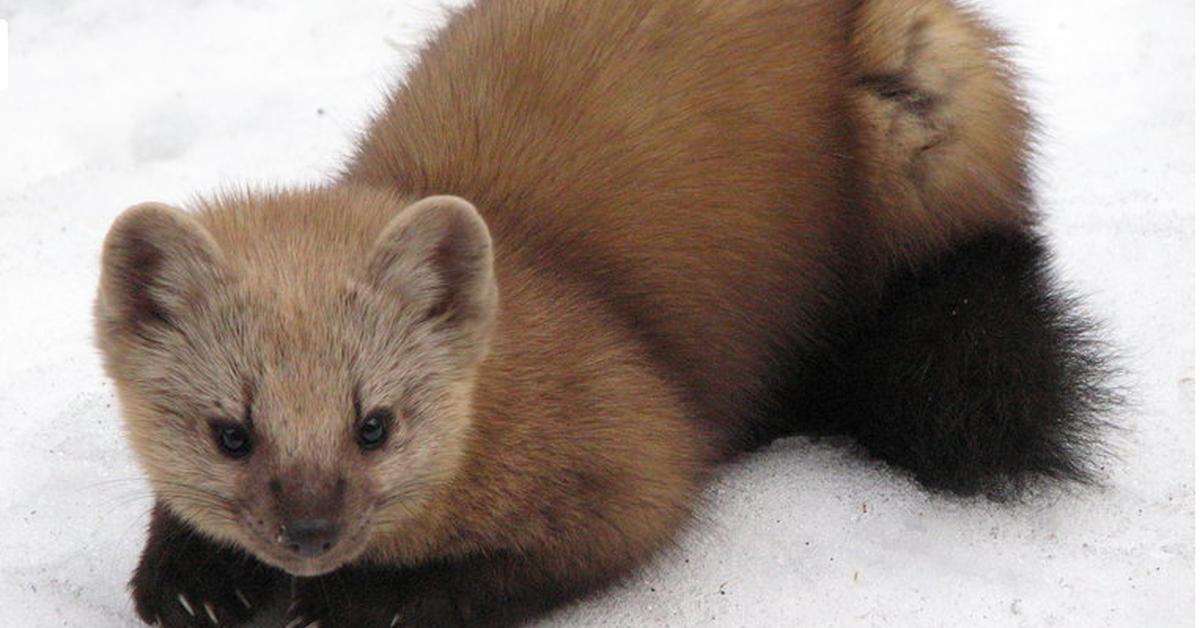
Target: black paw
(369, 598)
(186, 580)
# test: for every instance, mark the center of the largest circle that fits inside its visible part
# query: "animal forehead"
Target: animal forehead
(302, 360)
(303, 413)
(294, 316)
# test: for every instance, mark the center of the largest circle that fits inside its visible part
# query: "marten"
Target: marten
(587, 252)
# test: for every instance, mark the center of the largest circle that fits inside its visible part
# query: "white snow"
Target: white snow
(117, 102)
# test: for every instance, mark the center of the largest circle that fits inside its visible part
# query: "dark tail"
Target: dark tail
(979, 374)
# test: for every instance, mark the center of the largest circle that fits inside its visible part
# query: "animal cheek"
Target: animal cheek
(259, 521)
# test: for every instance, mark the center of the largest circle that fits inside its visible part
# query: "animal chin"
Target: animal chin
(305, 567)
(311, 568)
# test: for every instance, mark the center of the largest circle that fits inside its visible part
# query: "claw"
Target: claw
(211, 614)
(295, 623)
(187, 606)
(315, 624)
(242, 598)
(395, 620)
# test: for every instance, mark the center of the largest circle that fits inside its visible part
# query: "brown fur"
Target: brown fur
(946, 136)
(675, 195)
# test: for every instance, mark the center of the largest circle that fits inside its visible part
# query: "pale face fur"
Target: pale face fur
(294, 316)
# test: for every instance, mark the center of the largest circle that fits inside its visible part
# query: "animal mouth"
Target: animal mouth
(278, 554)
(310, 567)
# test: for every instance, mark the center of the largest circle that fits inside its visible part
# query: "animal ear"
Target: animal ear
(436, 255)
(156, 259)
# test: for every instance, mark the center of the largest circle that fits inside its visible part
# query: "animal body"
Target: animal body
(585, 253)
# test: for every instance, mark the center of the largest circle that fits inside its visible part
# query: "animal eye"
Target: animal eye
(233, 440)
(372, 431)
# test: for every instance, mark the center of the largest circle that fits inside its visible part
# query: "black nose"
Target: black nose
(309, 537)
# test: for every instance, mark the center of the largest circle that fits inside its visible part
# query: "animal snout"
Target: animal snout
(309, 537)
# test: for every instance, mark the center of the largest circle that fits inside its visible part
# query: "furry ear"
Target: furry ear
(155, 259)
(436, 255)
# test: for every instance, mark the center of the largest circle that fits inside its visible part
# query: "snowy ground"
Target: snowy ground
(114, 102)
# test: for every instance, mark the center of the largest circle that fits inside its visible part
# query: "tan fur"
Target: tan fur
(677, 193)
(946, 154)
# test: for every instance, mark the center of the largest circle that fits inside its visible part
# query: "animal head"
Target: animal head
(295, 370)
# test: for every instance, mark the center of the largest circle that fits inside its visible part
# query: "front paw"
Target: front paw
(190, 586)
(369, 598)
(185, 580)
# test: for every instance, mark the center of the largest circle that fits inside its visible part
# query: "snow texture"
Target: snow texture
(115, 102)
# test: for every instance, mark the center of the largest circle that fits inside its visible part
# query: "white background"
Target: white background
(115, 102)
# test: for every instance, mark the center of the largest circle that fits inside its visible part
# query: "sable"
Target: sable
(585, 253)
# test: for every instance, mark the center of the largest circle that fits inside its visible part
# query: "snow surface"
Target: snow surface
(115, 102)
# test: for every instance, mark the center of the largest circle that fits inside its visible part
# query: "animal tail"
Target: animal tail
(973, 368)
(979, 375)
